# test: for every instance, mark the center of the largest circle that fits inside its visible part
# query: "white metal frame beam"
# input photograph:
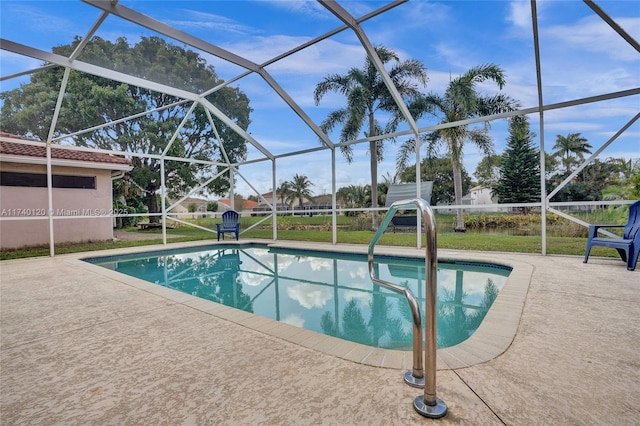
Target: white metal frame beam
(546, 201)
(613, 24)
(353, 23)
(543, 182)
(85, 67)
(169, 31)
(128, 79)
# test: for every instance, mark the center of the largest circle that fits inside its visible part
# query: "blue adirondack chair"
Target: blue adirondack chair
(229, 224)
(628, 246)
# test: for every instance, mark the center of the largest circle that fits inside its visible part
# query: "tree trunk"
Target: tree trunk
(374, 183)
(457, 189)
(373, 151)
(152, 206)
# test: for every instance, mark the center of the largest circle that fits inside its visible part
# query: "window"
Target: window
(39, 180)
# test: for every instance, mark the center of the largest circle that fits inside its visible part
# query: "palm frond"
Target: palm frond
(335, 117)
(482, 140)
(331, 83)
(411, 69)
(432, 141)
(463, 96)
(485, 72)
(347, 152)
(406, 150)
(429, 141)
(428, 104)
(386, 55)
(497, 104)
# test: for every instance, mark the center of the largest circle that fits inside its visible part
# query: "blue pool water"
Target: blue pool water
(330, 293)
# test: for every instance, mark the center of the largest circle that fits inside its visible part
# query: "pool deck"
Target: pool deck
(80, 344)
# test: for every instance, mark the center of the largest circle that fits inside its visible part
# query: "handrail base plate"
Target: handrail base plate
(411, 380)
(432, 411)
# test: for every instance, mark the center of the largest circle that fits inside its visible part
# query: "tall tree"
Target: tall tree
(439, 171)
(461, 101)
(354, 195)
(570, 149)
(520, 168)
(92, 101)
(590, 184)
(367, 96)
(488, 171)
(300, 188)
(284, 192)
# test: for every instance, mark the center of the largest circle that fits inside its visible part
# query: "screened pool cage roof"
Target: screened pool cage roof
(277, 52)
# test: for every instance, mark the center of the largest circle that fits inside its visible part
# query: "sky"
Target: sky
(580, 54)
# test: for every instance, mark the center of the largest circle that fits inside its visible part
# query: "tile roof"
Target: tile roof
(17, 148)
(246, 204)
(249, 204)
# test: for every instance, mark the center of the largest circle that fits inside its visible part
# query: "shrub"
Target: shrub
(501, 220)
(361, 222)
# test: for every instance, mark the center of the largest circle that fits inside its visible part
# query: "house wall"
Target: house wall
(181, 211)
(32, 202)
(482, 196)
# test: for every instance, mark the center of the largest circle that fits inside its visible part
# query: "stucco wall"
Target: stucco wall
(32, 203)
(481, 196)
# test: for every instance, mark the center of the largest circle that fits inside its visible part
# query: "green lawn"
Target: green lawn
(318, 229)
(454, 241)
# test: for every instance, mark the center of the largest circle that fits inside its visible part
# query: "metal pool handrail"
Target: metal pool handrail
(428, 404)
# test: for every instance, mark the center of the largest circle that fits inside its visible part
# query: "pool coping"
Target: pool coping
(490, 340)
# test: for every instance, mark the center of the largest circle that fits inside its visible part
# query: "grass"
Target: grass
(453, 241)
(318, 229)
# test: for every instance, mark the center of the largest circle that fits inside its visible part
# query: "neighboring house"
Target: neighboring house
(181, 211)
(264, 209)
(321, 202)
(224, 204)
(82, 186)
(480, 195)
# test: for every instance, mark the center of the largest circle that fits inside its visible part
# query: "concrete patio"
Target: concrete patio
(79, 345)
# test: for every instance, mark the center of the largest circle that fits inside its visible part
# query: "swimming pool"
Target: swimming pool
(327, 292)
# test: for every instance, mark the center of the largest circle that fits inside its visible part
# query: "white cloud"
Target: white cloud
(317, 263)
(360, 272)
(364, 297)
(520, 15)
(310, 296)
(13, 64)
(571, 127)
(252, 280)
(294, 319)
(191, 20)
(591, 34)
(325, 57)
(309, 8)
(36, 19)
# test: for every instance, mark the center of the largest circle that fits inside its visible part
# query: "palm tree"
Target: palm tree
(367, 95)
(389, 179)
(353, 195)
(461, 101)
(566, 147)
(300, 189)
(284, 191)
